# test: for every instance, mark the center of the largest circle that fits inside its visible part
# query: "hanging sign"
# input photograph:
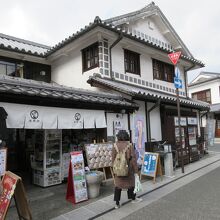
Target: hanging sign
(192, 121)
(76, 187)
(182, 121)
(13, 186)
(3, 160)
(151, 165)
(174, 57)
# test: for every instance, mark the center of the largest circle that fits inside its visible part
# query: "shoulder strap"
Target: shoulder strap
(127, 147)
(116, 147)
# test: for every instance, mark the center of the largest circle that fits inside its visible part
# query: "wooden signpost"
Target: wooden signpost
(13, 187)
(151, 165)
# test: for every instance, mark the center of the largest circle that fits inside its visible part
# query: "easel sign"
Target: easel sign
(76, 186)
(13, 186)
(151, 165)
(3, 161)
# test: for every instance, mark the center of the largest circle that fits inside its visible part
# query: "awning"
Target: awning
(40, 117)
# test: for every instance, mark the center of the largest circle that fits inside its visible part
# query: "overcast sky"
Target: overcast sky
(51, 21)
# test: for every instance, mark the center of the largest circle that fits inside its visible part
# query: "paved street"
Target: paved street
(197, 200)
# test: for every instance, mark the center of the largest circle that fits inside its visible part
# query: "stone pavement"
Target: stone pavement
(104, 208)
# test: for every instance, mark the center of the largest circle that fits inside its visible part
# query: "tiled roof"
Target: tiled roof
(204, 77)
(23, 46)
(44, 51)
(21, 86)
(99, 23)
(149, 94)
(215, 108)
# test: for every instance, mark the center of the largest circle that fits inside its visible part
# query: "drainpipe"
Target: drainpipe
(110, 52)
(186, 79)
(148, 119)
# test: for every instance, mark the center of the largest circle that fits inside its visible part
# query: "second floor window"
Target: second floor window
(132, 62)
(90, 58)
(163, 71)
(11, 69)
(204, 95)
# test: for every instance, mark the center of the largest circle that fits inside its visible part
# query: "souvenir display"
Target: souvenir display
(99, 155)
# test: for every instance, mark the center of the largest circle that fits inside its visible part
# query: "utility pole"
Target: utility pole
(174, 57)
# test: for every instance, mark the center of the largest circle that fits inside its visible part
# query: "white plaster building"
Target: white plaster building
(118, 65)
(206, 87)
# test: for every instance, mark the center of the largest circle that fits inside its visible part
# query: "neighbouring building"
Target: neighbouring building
(206, 87)
(113, 74)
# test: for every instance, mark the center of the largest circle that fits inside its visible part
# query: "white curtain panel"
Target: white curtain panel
(100, 121)
(16, 115)
(89, 119)
(33, 117)
(50, 118)
(70, 119)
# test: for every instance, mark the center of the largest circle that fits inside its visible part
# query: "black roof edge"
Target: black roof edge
(99, 23)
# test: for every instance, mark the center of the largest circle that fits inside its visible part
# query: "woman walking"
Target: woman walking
(125, 182)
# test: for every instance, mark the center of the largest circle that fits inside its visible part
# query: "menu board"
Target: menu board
(149, 166)
(78, 175)
(9, 184)
(13, 186)
(3, 160)
(99, 155)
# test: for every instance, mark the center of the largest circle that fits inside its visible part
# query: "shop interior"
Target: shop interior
(41, 157)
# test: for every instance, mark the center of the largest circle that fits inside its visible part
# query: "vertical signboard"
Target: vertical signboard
(3, 160)
(76, 188)
(151, 165)
(13, 186)
(139, 137)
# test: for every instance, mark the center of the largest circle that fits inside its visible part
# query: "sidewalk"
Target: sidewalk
(105, 205)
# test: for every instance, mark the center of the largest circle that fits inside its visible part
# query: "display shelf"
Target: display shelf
(46, 164)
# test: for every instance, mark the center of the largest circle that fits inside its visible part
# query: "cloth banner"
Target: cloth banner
(40, 117)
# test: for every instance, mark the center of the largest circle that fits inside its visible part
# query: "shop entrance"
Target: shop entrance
(24, 144)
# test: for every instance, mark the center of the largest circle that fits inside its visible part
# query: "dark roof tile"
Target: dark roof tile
(42, 89)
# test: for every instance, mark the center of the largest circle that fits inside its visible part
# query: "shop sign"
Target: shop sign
(76, 187)
(182, 121)
(151, 165)
(192, 121)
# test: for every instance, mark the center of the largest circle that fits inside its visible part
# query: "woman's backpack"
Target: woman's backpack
(120, 164)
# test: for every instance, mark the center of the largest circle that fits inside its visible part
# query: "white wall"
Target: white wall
(67, 71)
(213, 86)
(116, 117)
(142, 25)
(145, 66)
(155, 123)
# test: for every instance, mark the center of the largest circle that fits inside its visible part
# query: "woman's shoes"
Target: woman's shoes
(137, 200)
(117, 206)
